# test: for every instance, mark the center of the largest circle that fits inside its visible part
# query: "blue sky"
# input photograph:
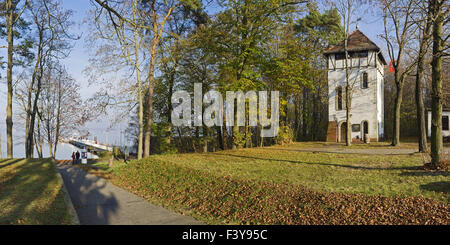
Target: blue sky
(78, 60)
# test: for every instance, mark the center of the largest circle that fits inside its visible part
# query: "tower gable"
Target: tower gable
(358, 46)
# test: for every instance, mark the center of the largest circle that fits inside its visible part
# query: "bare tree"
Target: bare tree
(51, 24)
(129, 38)
(156, 13)
(347, 9)
(61, 110)
(399, 30)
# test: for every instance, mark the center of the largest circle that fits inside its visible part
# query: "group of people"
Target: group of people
(76, 157)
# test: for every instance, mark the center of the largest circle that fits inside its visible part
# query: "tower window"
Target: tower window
(340, 56)
(339, 98)
(362, 54)
(365, 80)
(445, 123)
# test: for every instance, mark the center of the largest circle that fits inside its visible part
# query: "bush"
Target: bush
(118, 154)
(162, 144)
(102, 154)
(285, 136)
(239, 139)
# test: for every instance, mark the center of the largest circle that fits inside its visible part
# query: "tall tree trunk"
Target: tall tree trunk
(436, 95)
(225, 138)
(58, 119)
(34, 111)
(348, 131)
(140, 96)
(423, 147)
(224, 130)
(219, 129)
(148, 131)
(49, 140)
(141, 121)
(50, 147)
(399, 82)
(38, 139)
(247, 135)
(347, 18)
(180, 140)
(296, 118)
(157, 32)
(9, 120)
(1, 154)
(305, 115)
(194, 141)
(205, 139)
(348, 95)
(29, 125)
(316, 119)
(219, 137)
(169, 111)
(235, 130)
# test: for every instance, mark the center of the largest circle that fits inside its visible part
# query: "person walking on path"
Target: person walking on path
(73, 158)
(77, 155)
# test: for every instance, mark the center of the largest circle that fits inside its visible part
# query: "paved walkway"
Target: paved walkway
(99, 202)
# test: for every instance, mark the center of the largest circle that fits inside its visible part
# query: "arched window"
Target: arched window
(339, 98)
(365, 127)
(365, 80)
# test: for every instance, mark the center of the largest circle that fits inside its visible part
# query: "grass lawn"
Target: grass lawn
(31, 194)
(275, 185)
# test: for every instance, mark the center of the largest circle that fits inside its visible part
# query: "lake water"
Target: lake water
(64, 151)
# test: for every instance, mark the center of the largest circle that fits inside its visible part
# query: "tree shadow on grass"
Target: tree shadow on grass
(6, 163)
(425, 173)
(31, 194)
(321, 163)
(440, 186)
(347, 151)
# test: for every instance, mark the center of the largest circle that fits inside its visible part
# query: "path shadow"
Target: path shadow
(93, 205)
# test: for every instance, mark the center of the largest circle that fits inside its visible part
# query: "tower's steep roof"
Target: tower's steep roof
(357, 41)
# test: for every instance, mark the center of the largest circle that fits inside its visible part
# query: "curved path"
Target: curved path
(98, 202)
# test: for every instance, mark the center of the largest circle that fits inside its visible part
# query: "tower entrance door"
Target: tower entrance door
(343, 132)
(365, 130)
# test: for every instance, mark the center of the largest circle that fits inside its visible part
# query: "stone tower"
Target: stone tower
(366, 76)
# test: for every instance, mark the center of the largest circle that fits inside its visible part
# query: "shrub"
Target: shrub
(162, 143)
(285, 135)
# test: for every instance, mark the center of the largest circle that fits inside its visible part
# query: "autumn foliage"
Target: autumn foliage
(231, 200)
